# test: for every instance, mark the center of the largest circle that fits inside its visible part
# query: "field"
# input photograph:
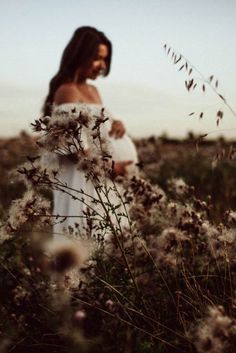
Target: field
(165, 284)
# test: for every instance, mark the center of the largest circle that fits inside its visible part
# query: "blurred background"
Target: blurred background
(144, 88)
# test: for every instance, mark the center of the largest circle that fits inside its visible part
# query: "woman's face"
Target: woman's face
(98, 65)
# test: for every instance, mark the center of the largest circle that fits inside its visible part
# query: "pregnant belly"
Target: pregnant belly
(123, 149)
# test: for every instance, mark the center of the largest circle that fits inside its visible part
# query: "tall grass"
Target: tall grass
(151, 272)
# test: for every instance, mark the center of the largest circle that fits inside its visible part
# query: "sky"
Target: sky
(144, 89)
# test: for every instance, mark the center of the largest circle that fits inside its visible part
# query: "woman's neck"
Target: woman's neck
(81, 83)
(80, 80)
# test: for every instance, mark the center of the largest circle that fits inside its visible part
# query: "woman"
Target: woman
(87, 55)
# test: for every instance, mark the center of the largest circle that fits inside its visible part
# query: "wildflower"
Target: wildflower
(178, 186)
(20, 295)
(230, 218)
(172, 208)
(110, 305)
(66, 254)
(80, 315)
(4, 234)
(26, 208)
(205, 226)
(214, 332)
(142, 192)
(221, 243)
(169, 246)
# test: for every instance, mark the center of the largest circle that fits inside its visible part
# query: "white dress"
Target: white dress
(71, 211)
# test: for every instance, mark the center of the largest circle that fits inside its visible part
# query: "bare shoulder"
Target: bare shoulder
(66, 93)
(96, 93)
(93, 88)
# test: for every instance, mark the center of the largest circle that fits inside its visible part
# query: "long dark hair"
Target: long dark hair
(79, 53)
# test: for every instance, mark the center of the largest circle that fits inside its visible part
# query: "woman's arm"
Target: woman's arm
(117, 128)
(119, 168)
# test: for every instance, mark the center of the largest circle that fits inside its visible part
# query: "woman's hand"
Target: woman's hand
(119, 168)
(117, 129)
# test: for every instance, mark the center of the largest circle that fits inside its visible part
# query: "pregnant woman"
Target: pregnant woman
(87, 56)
